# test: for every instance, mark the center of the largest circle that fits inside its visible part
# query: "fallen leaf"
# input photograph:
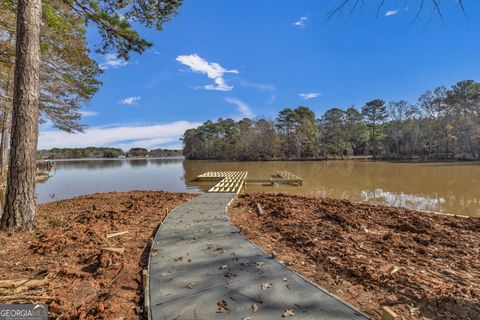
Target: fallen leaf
(288, 313)
(247, 318)
(259, 264)
(190, 285)
(230, 274)
(223, 267)
(254, 307)
(267, 285)
(178, 258)
(222, 306)
(285, 279)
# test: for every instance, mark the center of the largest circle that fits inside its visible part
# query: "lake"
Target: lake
(443, 187)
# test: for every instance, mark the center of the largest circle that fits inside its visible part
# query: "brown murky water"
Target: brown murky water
(442, 187)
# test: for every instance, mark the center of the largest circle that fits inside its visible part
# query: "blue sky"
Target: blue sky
(255, 57)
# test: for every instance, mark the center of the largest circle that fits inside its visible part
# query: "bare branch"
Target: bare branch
(382, 2)
(338, 9)
(437, 8)
(354, 3)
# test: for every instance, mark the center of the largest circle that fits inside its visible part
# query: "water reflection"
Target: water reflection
(91, 164)
(134, 163)
(76, 177)
(445, 187)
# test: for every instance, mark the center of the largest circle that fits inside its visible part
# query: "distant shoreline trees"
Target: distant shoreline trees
(104, 152)
(443, 124)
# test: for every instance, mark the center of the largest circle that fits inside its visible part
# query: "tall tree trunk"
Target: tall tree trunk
(4, 142)
(374, 142)
(20, 199)
(5, 132)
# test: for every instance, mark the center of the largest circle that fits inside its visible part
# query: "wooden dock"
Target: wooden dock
(234, 181)
(230, 181)
(288, 178)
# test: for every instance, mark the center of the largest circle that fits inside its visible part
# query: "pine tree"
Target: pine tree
(375, 112)
(113, 20)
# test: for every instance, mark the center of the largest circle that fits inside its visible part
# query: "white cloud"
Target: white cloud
(88, 113)
(309, 95)
(242, 107)
(212, 69)
(112, 61)
(301, 23)
(124, 137)
(391, 13)
(130, 100)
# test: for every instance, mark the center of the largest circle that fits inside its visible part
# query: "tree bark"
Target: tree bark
(4, 142)
(20, 200)
(5, 132)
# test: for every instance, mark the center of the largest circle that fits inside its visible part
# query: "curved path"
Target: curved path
(202, 268)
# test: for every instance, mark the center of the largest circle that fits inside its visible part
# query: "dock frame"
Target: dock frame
(234, 181)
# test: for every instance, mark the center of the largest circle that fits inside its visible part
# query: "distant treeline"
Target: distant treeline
(94, 152)
(442, 124)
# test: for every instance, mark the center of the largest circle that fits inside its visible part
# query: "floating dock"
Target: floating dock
(230, 181)
(234, 181)
(287, 178)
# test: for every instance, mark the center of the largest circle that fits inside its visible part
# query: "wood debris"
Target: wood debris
(288, 313)
(259, 209)
(389, 314)
(266, 286)
(112, 249)
(116, 234)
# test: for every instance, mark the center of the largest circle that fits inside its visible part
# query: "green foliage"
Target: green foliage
(164, 153)
(137, 152)
(78, 153)
(99, 152)
(114, 21)
(68, 77)
(299, 132)
(375, 113)
(444, 124)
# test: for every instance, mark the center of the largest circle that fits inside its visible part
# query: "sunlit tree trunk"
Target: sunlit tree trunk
(4, 141)
(5, 131)
(20, 199)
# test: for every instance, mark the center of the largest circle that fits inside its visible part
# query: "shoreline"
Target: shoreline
(103, 159)
(360, 158)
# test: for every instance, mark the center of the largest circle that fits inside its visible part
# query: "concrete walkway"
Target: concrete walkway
(202, 268)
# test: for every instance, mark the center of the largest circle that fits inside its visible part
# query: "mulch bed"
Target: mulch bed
(63, 261)
(420, 265)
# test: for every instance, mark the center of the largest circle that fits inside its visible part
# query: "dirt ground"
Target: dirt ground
(421, 265)
(62, 262)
